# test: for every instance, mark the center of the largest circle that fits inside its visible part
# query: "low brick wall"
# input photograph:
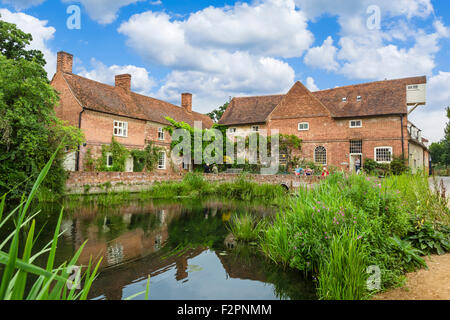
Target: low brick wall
(102, 182)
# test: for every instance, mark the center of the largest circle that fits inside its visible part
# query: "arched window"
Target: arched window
(320, 155)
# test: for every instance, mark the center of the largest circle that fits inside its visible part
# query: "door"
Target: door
(129, 164)
(355, 161)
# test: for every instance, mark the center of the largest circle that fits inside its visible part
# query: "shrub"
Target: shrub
(245, 228)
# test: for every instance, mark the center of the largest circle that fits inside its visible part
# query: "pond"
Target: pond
(184, 246)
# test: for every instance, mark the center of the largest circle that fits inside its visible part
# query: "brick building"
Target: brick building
(341, 126)
(103, 112)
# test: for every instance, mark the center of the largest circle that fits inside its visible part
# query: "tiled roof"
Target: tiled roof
(101, 97)
(386, 97)
(377, 98)
(250, 110)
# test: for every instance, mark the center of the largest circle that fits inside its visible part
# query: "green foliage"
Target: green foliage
(14, 43)
(216, 114)
(51, 281)
(409, 254)
(440, 151)
(343, 275)
(303, 236)
(147, 159)
(245, 227)
(396, 167)
(119, 156)
(29, 129)
(427, 238)
(89, 162)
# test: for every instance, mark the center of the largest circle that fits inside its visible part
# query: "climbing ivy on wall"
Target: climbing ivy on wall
(147, 159)
(119, 157)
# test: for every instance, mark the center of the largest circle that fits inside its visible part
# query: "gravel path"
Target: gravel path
(431, 284)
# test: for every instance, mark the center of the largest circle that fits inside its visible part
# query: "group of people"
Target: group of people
(309, 172)
(207, 168)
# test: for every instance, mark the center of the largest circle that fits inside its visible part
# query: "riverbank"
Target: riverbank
(425, 284)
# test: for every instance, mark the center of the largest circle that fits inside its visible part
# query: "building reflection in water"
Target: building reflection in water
(138, 240)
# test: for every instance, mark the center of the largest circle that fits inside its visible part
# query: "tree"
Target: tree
(216, 114)
(440, 151)
(30, 132)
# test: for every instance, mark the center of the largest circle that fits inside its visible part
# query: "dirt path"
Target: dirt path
(431, 284)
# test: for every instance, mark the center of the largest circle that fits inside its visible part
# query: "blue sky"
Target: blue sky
(217, 49)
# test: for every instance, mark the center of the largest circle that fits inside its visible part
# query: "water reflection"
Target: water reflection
(184, 246)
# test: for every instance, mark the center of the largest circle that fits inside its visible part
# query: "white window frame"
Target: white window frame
(358, 98)
(232, 130)
(162, 167)
(303, 124)
(255, 127)
(161, 134)
(108, 156)
(120, 129)
(326, 156)
(356, 126)
(344, 99)
(378, 148)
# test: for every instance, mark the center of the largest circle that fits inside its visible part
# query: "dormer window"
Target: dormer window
(358, 98)
(344, 99)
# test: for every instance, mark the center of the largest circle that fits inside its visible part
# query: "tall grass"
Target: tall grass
(308, 233)
(245, 228)
(343, 275)
(50, 282)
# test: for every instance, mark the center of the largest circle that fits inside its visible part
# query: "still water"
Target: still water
(184, 246)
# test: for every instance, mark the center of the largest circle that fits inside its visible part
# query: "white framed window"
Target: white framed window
(232, 130)
(344, 99)
(303, 126)
(120, 129)
(160, 134)
(358, 98)
(356, 147)
(162, 160)
(255, 128)
(320, 155)
(383, 154)
(355, 123)
(109, 160)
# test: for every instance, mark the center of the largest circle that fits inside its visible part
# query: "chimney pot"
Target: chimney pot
(186, 101)
(123, 81)
(64, 62)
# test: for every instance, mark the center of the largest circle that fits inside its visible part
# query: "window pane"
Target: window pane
(320, 155)
(356, 146)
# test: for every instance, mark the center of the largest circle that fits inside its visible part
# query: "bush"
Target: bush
(379, 211)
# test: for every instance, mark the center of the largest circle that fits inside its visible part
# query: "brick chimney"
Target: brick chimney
(123, 81)
(64, 62)
(186, 101)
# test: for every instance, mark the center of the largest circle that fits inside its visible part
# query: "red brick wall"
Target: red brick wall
(69, 109)
(335, 136)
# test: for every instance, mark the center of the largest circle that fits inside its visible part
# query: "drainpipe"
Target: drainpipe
(77, 164)
(403, 138)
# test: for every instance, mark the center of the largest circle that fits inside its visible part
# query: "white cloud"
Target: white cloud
(244, 76)
(22, 4)
(348, 8)
(432, 118)
(268, 28)
(42, 35)
(311, 84)
(141, 81)
(323, 56)
(103, 11)
(220, 52)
